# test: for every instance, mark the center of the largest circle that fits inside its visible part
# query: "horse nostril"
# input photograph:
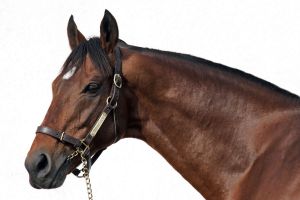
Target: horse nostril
(42, 162)
(43, 165)
(38, 164)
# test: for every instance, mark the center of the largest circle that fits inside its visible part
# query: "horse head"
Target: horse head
(87, 86)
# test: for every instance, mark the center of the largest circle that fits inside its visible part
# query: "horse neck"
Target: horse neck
(195, 115)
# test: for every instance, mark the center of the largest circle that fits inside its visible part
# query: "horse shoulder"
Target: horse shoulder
(275, 173)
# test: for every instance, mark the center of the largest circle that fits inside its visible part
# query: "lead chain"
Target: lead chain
(86, 176)
(73, 155)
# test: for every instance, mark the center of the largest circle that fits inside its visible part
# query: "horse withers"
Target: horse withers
(228, 133)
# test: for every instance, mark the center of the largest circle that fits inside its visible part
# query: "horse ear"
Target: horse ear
(74, 35)
(109, 33)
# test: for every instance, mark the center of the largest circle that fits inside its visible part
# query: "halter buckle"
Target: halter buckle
(118, 80)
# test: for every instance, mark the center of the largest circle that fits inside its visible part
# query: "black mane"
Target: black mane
(93, 49)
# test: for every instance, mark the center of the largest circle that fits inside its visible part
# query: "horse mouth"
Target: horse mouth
(47, 184)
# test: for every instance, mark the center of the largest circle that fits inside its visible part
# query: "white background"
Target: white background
(261, 37)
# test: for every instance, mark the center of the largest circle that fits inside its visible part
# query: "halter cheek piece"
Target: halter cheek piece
(83, 145)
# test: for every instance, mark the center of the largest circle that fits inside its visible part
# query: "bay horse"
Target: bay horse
(229, 134)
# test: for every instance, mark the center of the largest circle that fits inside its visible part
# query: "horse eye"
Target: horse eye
(91, 88)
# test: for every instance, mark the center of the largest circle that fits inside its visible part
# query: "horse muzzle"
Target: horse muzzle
(44, 172)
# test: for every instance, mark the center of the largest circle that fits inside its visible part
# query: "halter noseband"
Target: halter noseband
(83, 145)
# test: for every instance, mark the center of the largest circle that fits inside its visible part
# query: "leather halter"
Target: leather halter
(111, 104)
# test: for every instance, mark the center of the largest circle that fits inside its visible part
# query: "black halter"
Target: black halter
(111, 104)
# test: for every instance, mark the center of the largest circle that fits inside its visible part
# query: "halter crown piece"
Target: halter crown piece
(82, 146)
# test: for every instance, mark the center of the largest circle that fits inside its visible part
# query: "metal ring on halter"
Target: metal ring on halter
(118, 80)
(108, 101)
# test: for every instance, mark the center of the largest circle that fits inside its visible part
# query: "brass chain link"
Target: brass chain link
(86, 176)
(84, 170)
(73, 155)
